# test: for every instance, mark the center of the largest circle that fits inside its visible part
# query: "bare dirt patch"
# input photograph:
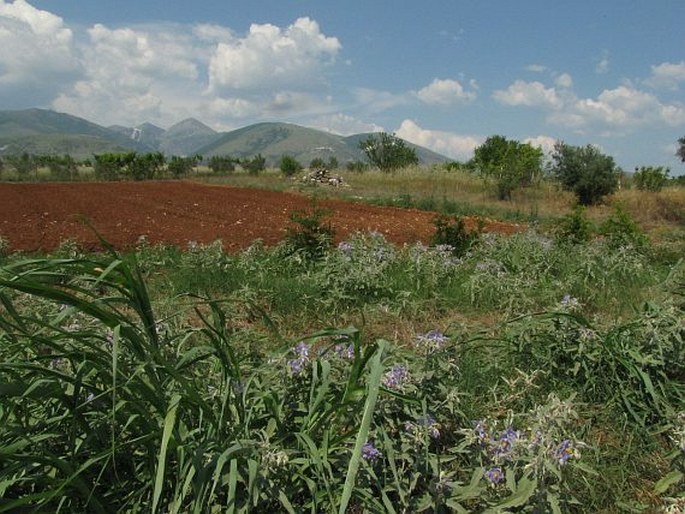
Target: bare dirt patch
(37, 217)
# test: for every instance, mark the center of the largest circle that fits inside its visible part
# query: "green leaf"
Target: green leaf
(169, 423)
(672, 478)
(363, 434)
(524, 490)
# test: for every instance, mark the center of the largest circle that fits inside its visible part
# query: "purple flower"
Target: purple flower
(433, 340)
(495, 475)
(482, 434)
(345, 248)
(396, 377)
(344, 351)
(505, 444)
(430, 425)
(297, 365)
(370, 452)
(565, 451)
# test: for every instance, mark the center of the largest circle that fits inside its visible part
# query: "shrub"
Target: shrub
(310, 237)
(289, 166)
(651, 178)
(451, 231)
(255, 165)
(621, 230)
(574, 228)
(222, 164)
(181, 166)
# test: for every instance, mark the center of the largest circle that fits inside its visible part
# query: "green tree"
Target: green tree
(145, 166)
(681, 149)
(388, 152)
(255, 165)
(317, 163)
(510, 163)
(651, 178)
(181, 166)
(333, 163)
(586, 171)
(24, 164)
(61, 167)
(222, 164)
(289, 165)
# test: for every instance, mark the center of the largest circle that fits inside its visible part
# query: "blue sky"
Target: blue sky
(443, 74)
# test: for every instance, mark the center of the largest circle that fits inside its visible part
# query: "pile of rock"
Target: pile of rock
(321, 176)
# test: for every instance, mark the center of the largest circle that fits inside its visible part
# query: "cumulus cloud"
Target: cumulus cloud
(617, 110)
(667, 75)
(36, 53)
(445, 92)
(530, 94)
(269, 57)
(546, 143)
(145, 72)
(626, 106)
(450, 144)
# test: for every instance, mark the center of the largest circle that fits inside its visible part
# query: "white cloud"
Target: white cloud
(145, 72)
(36, 53)
(375, 101)
(564, 81)
(546, 143)
(345, 125)
(530, 94)
(667, 75)
(449, 144)
(626, 107)
(269, 57)
(602, 65)
(618, 110)
(445, 92)
(536, 68)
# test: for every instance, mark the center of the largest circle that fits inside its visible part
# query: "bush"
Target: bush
(621, 230)
(651, 178)
(222, 164)
(311, 237)
(181, 166)
(289, 166)
(585, 171)
(574, 228)
(451, 231)
(255, 165)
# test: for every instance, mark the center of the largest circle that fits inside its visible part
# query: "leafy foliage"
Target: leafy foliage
(222, 164)
(255, 165)
(289, 166)
(587, 172)
(310, 237)
(512, 164)
(450, 231)
(574, 228)
(680, 153)
(388, 152)
(651, 178)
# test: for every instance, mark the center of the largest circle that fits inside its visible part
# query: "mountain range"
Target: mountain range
(46, 132)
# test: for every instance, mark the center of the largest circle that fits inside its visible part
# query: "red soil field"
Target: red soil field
(37, 217)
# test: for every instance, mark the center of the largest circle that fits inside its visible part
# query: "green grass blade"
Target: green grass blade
(374, 382)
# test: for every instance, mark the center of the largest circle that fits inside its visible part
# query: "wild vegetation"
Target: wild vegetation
(524, 373)
(538, 372)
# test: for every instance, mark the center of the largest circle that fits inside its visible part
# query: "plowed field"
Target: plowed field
(37, 217)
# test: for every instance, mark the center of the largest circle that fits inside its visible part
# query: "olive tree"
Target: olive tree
(680, 153)
(585, 171)
(388, 152)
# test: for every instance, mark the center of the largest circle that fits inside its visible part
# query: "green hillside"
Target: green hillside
(40, 131)
(274, 140)
(45, 132)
